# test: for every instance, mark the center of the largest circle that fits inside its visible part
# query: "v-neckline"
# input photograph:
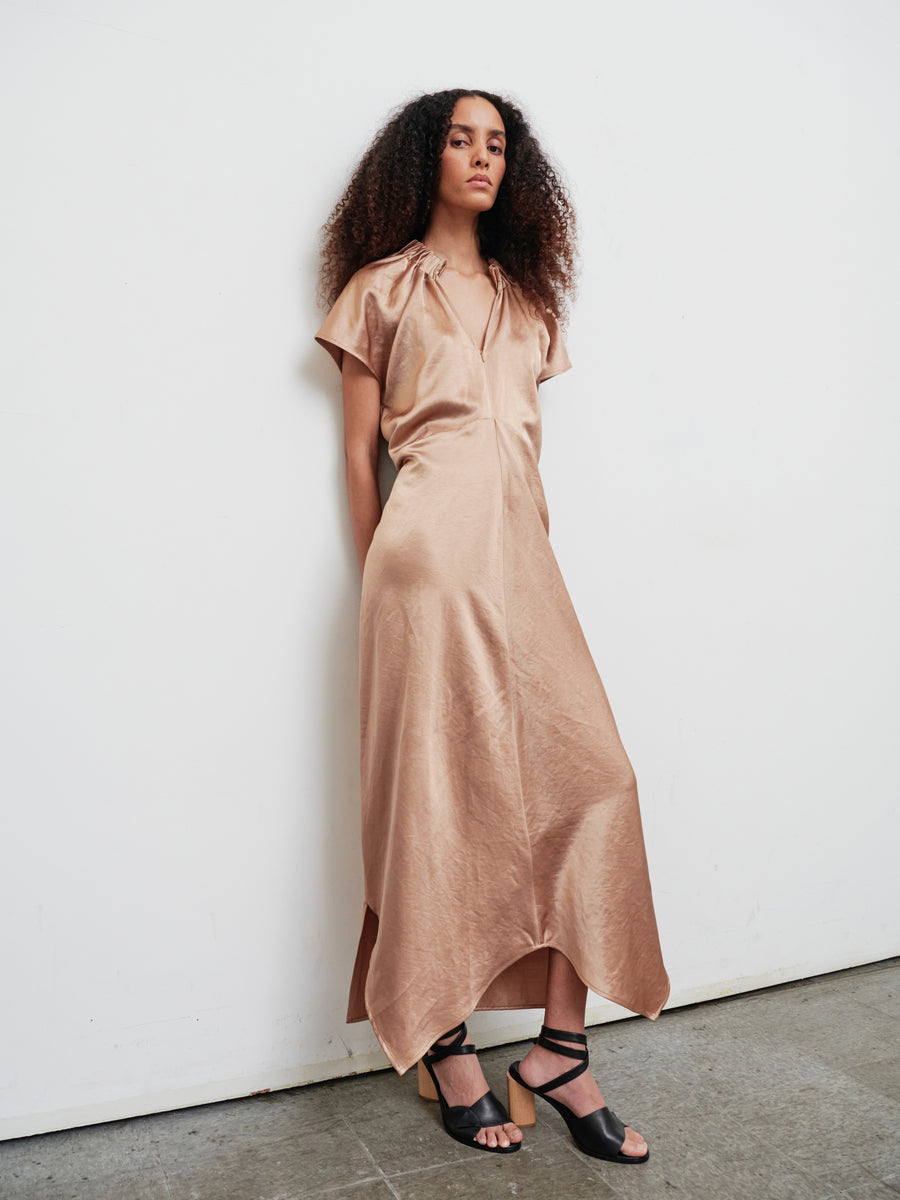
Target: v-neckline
(494, 270)
(487, 329)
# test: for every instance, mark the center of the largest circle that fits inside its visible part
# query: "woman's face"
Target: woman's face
(473, 161)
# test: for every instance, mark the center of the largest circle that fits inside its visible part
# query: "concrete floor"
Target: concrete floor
(792, 1093)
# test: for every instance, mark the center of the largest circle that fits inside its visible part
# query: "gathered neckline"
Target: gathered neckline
(433, 264)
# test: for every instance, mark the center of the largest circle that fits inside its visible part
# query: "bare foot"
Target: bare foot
(581, 1095)
(462, 1082)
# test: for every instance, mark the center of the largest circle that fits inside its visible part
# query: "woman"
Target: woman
(504, 857)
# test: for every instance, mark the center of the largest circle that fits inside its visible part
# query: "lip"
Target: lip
(480, 179)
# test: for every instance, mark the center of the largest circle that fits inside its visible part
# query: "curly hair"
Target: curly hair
(530, 230)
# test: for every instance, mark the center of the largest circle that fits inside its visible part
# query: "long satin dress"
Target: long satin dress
(499, 809)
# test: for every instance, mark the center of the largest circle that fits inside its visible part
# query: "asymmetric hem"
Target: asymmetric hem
(520, 983)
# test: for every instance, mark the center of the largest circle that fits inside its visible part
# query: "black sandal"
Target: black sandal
(461, 1122)
(600, 1134)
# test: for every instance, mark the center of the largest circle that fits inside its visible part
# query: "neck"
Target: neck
(453, 236)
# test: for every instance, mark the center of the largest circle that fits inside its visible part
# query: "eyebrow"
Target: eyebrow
(469, 129)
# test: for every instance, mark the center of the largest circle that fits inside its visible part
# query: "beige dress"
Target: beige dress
(499, 810)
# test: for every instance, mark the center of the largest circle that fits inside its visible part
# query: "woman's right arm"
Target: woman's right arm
(362, 416)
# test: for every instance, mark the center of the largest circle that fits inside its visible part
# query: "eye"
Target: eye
(458, 141)
(496, 149)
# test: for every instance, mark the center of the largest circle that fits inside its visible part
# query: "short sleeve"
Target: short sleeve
(357, 325)
(554, 359)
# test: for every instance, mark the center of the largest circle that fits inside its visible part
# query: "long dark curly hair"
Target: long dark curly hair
(530, 230)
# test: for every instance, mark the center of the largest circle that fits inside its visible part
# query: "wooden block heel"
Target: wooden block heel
(427, 1090)
(520, 1103)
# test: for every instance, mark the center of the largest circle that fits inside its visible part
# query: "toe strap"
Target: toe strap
(602, 1129)
(486, 1111)
(489, 1110)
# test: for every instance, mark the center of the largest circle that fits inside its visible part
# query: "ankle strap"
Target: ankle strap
(560, 1035)
(459, 1034)
(567, 1051)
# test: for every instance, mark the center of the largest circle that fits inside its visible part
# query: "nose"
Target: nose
(480, 157)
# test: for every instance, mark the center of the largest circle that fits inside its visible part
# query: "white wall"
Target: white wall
(180, 880)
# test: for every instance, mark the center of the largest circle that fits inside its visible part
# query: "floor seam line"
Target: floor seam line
(380, 1174)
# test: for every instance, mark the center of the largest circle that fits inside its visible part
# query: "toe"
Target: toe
(634, 1145)
(513, 1132)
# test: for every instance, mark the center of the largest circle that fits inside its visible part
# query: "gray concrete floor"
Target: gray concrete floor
(792, 1093)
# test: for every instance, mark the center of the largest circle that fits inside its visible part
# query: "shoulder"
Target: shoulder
(383, 276)
(529, 308)
(364, 319)
(544, 323)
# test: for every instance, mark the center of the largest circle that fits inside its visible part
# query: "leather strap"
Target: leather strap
(601, 1128)
(484, 1112)
(438, 1053)
(567, 1051)
(563, 1035)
